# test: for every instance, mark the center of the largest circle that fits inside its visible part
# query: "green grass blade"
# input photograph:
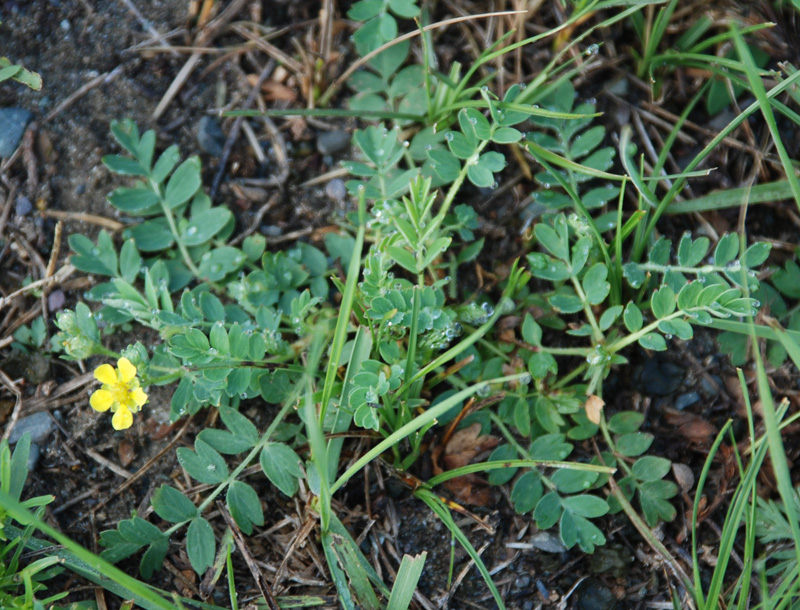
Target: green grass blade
(406, 581)
(757, 87)
(734, 198)
(435, 504)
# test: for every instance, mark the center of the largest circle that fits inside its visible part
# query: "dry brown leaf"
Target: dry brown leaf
(465, 445)
(126, 452)
(691, 427)
(594, 408)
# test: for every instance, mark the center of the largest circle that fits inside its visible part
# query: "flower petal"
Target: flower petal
(139, 397)
(102, 400)
(105, 374)
(126, 370)
(122, 419)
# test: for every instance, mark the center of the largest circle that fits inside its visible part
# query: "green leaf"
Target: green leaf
(404, 8)
(366, 9)
(595, 285)
(585, 505)
(445, 164)
(570, 481)
(548, 511)
(133, 200)
(129, 261)
(542, 363)
(756, 254)
(609, 316)
(550, 447)
(200, 545)
(459, 145)
(527, 492)
(690, 253)
(203, 464)
(653, 341)
(554, 241)
(153, 558)
(166, 163)
(171, 505)
(282, 466)
(124, 165)
(654, 499)
(626, 422)
(579, 530)
(183, 184)
(634, 274)
(152, 236)
(565, 302)
(651, 468)
(403, 257)
(239, 425)
(531, 331)
(222, 261)
(663, 302)
(244, 506)
(634, 443)
(205, 225)
(727, 249)
(506, 135)
(586, 142)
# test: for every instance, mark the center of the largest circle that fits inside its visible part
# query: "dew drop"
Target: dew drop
(449, 136)
(191, 230)
(592, 49)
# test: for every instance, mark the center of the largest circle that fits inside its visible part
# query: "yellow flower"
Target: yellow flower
(120, 392)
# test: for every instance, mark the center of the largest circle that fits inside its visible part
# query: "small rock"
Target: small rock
(522, 581)
(13, 122)
(594, 595)
(56, 300)
(686, 400)
(336, 190)
(658, 377)
(271, 230)
(39, 426)
(23, 206)
(210, 136)
(33, 457)
(547, 542)
(684, 476)
(330, 142)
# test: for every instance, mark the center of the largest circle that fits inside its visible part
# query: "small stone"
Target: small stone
(547, 542)
(594, 595)
(330, 142)
(13, 122)
(33, 456)
(686, 400)
(336, 190)
(658, 377)
(56, 300)
(684, 476)
(23, 206)
(271, 230)
(39, 426)
(522, 582)
(210, 136)
(65, 25)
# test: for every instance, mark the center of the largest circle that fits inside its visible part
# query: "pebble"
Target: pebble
(13, 122)
(33, 457)
(210, 136)
(547, 542)
(522, 581)
(39, 426)
(658, 377)
(23, 206)
(336, 190)
(594, 595)
(330, 142)
(686, 400)
(56, 300)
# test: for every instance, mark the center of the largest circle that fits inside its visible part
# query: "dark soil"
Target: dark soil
(72, 43)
